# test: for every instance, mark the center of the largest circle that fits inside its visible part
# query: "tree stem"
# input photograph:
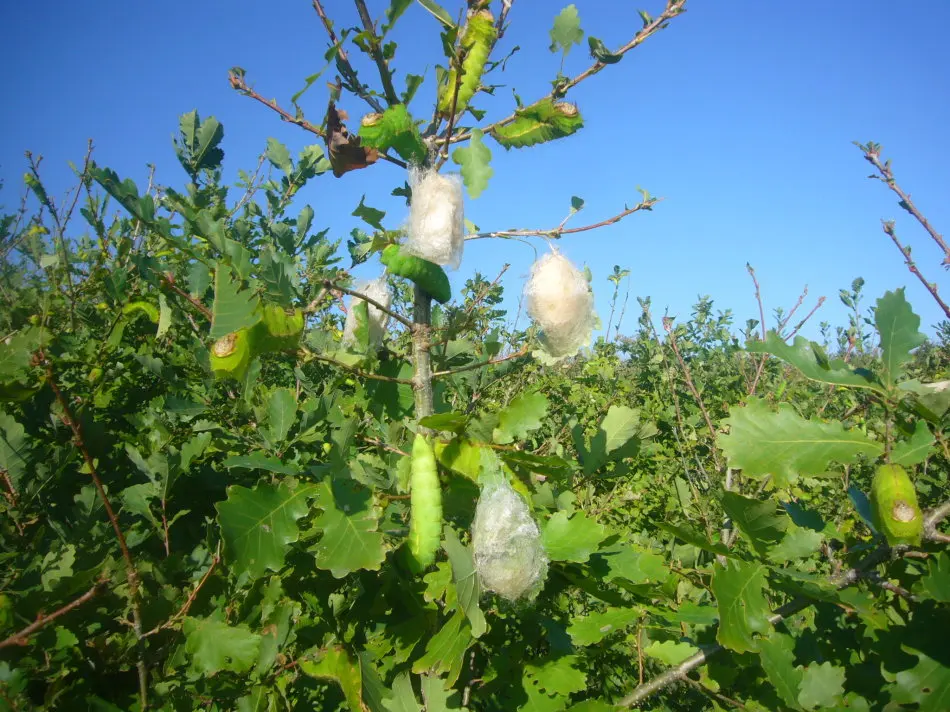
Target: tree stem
(421, 357)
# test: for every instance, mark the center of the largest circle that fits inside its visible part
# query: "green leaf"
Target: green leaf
(336, 664)
(279, 156)
(571, 539)
(757, 520)
(927, 684)
(743, 609)
(822, 686)
(567, 30)
(670, 652)
(797, 543)
(258, 525)
(281, 406)
(13, 448)
(809, 358)
(467, 589)
(627, 561)
(474, 160)
(899, 329)
(350, 522)
(776, 654)
(233, 308)
(785, 445)
(370, 216)
(445, 651)
(524, 414)
(696, 539)
(593, 628)
(439, 12)
(914, 450)
(403, 698)
(259, 461)
(213, 645)
(935, 584)
(599, 51)
(437, 697)
(614, 438)
(559, 676)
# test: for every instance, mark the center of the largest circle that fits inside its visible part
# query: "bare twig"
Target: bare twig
(799, 325)
(888, 226)
(169, 281)
(22, 637)
(560, 230)
(183, 611)
(238, 84)
(872, 153)
(523, 351)
(369, 300)
(758, 299)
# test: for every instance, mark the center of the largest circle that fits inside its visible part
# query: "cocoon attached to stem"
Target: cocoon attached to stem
(436, 217)
(509, 555)
(561, 303)
(378, 290)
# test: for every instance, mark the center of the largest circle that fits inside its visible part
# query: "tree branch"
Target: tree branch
(523, 351)
(841, 581)
(888, 226)
(355, 371)
(369, 300)
(376, 53)
(238, 84)
(872, 153)
(343, 62)
(131, 572)
(183, 611)
(22, 637)
(559, 231)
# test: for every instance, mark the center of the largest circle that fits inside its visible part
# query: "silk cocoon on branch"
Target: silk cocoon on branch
(436, 217)
(378, 290)
(509, 556)
(561, 303)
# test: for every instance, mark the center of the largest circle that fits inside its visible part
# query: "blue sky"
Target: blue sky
(741, 115)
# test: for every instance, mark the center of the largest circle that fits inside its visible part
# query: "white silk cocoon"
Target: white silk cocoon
(436, 217)
(559, 300)
(509, 555)
(376, 289)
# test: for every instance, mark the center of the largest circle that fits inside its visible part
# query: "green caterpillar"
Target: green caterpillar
(479, 37)
(894, 507)
(148, 309)
(394, 129)
(543, 121)
(425, 505)
(428, 275)
(277, 330)
(232, 353)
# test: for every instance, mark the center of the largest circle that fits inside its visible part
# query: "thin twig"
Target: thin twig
(844, 580)
(369, 300)
(308, 355)
(872, 153)
(523, 351)
(131, 573)
(22, 637)
(673, 8)
(687, 375)
(376, 53)
(888, 226)
(183, 611)
(169, 281)
(343, 61)
(558, 232)
(758, 299)
(238, 84)
(821, 300)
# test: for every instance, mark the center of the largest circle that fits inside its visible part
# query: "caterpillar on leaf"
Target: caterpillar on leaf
(395, 129)
(430, 277)
(894, 508)
(477, 40)
(540, 122)
(425, 505)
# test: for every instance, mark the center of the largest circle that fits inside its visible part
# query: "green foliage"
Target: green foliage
(241, 542)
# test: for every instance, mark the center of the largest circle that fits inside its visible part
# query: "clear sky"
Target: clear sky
(741, 115)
